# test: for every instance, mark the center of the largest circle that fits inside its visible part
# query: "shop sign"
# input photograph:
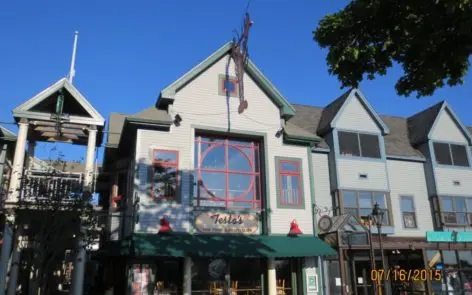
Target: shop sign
(448, 236)
(227, 223)
(311, 281)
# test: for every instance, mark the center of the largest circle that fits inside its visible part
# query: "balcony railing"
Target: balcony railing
(56, 185)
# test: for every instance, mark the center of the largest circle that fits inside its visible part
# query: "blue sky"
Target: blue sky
(128, 51)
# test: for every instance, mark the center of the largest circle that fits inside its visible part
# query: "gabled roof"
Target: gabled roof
(168, 94)
(6, 134)
(332, 112)
(117, 121)
(421, 124)
(41, 105)
(396, 142)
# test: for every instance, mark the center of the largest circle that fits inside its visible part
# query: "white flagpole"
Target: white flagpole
(72, 63)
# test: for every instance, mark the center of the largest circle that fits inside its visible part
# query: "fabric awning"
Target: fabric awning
(180, 245)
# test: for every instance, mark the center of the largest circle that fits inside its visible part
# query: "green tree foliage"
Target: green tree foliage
(430, 39)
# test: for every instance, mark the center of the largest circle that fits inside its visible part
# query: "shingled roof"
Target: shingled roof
(6, 134)
(397, 142)
(420, 124)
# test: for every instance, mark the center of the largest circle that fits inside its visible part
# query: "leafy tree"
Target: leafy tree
(430, 39)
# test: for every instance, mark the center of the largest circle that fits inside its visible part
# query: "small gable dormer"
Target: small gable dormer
(358, 128)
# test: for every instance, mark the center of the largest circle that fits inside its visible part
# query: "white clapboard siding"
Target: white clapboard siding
(348, 171)
(354, 116)
(408, 179)
(201, 107)
(445, 129)
(323, 198)
(446, 178)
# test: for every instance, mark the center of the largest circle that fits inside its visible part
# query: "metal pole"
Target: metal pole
(372, 253)
(379, 228)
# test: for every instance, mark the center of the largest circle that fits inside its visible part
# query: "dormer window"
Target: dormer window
(451, 154)
(359, 145)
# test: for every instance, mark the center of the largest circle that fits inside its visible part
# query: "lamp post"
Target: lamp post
(378, 216)
(371, 251)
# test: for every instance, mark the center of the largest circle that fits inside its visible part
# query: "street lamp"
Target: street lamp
(378, 216)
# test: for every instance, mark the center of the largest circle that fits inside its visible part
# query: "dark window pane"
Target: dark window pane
(460, 205)
(165, 156)
(409, 220)
(348, 144)
(245, 274)
(466, 277)
(465, 259)
(449, 259)
(370, 146)
(349, 199)
(407, 204)
(379, 198)
(446, 204)
(287, 166)
(364, 212)
(461, 218)
(165, 182)
(459, 155)
(449, 217)
(443, 156)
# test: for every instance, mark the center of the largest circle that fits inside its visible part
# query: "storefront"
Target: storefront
(360, 255)
(221, 264)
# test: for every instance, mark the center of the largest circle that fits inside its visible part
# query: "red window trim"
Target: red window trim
(166, 164)
(255, 187)
(235, 86)
(297, 173)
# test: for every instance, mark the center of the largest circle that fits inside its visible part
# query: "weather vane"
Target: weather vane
(239, 53)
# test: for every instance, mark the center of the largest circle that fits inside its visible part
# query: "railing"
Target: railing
(57, 185)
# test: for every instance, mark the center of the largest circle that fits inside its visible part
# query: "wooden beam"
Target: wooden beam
(54, 134)
(63, 130)
(52, 123)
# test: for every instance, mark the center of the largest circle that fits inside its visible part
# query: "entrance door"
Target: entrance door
(361, 278)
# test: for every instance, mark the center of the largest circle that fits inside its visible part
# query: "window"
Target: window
(408, 212)
(165, 174)
(451, 154)
(361, 203)
(456, 210)
(227, 173)
(359, 145)
(228, 86)
(289, 182)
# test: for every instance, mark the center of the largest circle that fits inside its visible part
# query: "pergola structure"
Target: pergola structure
(60, 113)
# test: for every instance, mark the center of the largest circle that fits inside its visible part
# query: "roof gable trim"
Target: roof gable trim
(168, 94)
(24, 110)
(445, 107)
(356, 93)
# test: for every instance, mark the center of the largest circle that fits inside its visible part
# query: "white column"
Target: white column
(80, 261)
(30, 160)
(15, 267)
(18, 162)
(89, 160)
(271, 277)
(3, 160)
(187, 285)
(6, 248)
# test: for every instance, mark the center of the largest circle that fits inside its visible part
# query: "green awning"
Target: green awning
(180, 245)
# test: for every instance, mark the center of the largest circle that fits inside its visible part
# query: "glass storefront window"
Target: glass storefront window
(465, 259)
(159, 276)
(449, 259)
(283, 270)
(217, 276)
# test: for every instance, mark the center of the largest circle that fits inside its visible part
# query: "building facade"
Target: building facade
(196, 165)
